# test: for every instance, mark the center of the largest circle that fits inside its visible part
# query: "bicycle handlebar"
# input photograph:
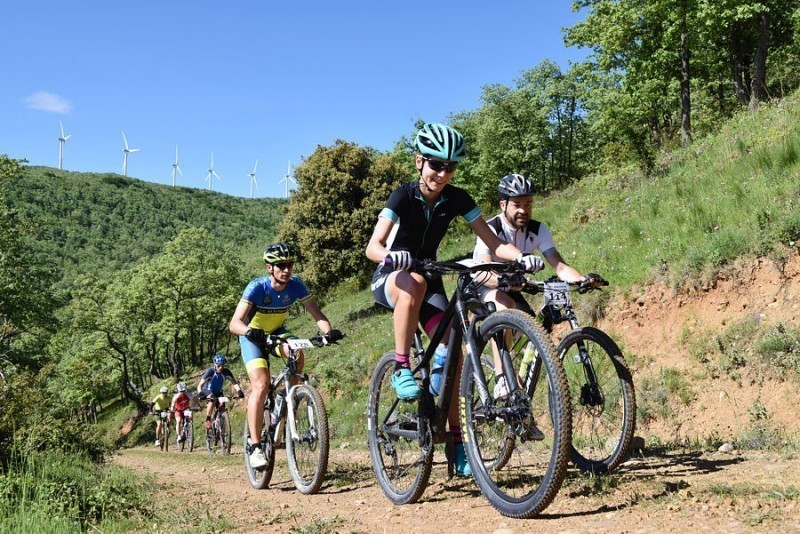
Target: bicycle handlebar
(454, 267)
(593, 282)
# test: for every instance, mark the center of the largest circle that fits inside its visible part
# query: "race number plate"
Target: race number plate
(296, 344)
(222, 400)
(557, 294)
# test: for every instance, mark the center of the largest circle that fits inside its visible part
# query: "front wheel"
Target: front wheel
(535, 423)
(259, 478)
(400, 443)
(604, 402)
(189, 436)
(308, 450)
(225, 433)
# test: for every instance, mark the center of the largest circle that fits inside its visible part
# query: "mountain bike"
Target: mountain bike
(219, 434)
(163, 434)
(186, 435)
(299, 415)
(517, 446)
(604, 402)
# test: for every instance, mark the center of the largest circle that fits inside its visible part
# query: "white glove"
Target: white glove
(530, 262)
(401, 260)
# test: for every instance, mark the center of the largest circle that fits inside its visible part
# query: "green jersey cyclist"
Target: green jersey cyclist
(262, 311)
(420, 212)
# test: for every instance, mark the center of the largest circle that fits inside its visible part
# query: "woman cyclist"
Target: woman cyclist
(422, 211)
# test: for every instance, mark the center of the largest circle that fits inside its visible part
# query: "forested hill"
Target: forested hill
(100, 223)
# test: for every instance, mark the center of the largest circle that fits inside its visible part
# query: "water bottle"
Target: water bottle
(527, 359)
(439, 357)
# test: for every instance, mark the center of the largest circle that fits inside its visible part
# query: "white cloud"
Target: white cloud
(44, 101)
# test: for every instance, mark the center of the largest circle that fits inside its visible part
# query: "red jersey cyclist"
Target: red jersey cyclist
(180, 403)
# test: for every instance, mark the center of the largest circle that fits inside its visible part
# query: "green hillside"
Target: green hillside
(101, 223)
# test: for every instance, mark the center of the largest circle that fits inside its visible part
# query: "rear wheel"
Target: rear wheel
(400, 442)
(259, 478)
(538, 423)
(308, 451)
(190, 434)
(604, 405)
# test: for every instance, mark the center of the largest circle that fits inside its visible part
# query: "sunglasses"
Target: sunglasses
(284, 265)
(439, 166)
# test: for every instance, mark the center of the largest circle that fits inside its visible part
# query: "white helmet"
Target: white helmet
(181, 386)
(164, 389)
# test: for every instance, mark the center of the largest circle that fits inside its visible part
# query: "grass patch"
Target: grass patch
(65, 493)
(660, 396)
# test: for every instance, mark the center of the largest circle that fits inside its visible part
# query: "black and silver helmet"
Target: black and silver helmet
(515, 185)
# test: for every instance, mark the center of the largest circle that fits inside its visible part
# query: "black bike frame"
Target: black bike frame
(463, 302)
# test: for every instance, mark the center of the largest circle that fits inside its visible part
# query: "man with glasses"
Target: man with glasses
(210, 385)
(262, 311)
(411, 227)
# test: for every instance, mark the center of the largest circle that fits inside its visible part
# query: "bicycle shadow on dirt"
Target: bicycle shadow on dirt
(644, 478)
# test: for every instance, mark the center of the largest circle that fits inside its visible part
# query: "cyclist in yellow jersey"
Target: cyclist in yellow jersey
(262, 310)
(160, 404)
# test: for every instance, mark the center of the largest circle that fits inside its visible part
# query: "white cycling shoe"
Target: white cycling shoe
(257, 458)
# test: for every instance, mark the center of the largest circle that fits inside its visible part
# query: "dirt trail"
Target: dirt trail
(677, 491)
(658, 491)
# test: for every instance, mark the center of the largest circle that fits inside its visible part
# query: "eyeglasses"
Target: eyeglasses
(439, 166)
(284, 265)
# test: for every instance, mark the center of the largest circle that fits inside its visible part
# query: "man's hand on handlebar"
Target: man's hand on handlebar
(591, 281)
(256, 336)
(332, 337)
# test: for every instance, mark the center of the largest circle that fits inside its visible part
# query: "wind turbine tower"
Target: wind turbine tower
(288, 178)
(175, 167)
(61, 141)
(125, 152)
(211, 172)
(253, 180)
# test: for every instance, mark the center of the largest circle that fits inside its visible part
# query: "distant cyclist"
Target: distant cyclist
(210, 386)
(262, 311)
(160, 404)
(410, 227)
(180, 402)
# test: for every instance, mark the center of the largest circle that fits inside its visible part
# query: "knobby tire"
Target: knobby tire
(402, 465)
(534, 471)
(308, 456)
(603, 416)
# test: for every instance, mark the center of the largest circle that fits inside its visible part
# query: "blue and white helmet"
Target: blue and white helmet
(219, 359)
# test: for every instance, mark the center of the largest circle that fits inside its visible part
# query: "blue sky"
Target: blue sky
(252, 79)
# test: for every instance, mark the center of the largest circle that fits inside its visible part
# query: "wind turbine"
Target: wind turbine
(287, 178)
(61, 141)
(211, 172)
(125, 152)
(175, 167)
(253, 180)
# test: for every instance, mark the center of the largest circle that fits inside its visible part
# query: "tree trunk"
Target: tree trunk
(739, 69)
(758, 85)
(686, 98)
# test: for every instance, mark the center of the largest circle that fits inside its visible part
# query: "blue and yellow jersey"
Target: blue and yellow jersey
(269, 308)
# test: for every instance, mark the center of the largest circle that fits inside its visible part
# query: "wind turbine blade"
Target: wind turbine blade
(256, 166)
(215, 174)
(255, 182)
(67, 137)
(134, 150)
(125, 140)
(212, 160)
(178, 168)
(62, 128)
